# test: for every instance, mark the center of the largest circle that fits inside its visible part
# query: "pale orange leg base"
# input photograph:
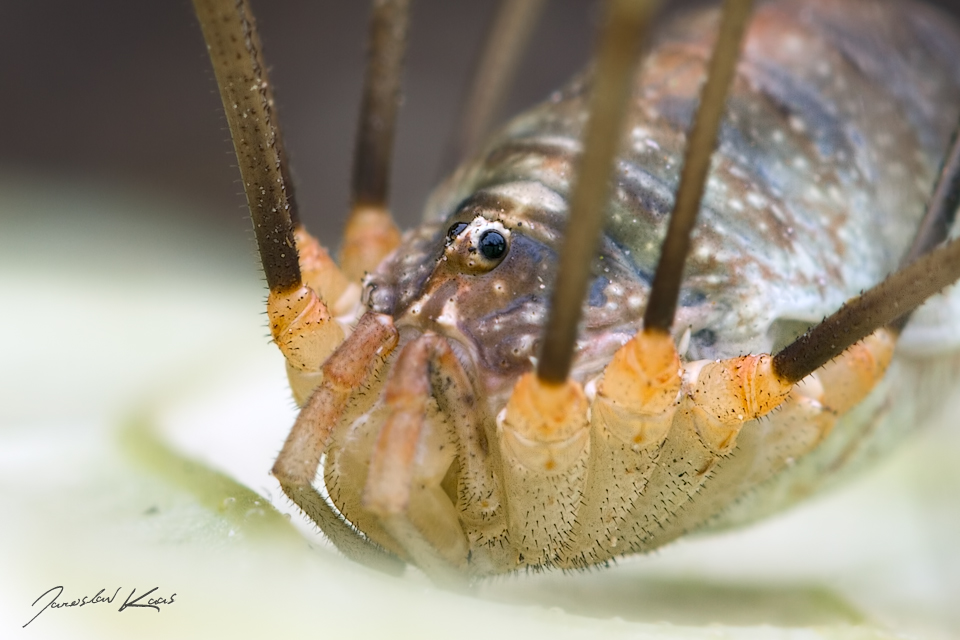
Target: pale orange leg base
(638, 393)
(303, 328)
(320, 273)
(369, 237)
(848, 379)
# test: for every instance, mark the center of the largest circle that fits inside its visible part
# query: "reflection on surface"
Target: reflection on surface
(141, 411)
(687, 601)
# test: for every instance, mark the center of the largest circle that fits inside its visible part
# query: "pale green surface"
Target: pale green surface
(136, 407)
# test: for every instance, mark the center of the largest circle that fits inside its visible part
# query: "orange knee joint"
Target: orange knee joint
(637, 396)
(370, 235)
(544, 426)
(303, 328)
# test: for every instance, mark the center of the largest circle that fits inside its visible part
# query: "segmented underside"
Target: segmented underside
(836, 123)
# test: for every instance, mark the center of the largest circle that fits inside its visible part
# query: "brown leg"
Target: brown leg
(371, 233)
(504, 43)
(620, 40)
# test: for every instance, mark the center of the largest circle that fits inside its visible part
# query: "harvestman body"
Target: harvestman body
(414, 364)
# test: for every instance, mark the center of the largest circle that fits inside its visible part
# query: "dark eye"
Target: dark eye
(493, 245)
(455, 229)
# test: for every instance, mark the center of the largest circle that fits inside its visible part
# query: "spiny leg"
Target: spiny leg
(644, 380)
(850, 350)
(544, 429)
(869, 312)
(940, 214)
(649, 361)
(300, 322)
(506, 38)
(810, 410)
(884, 309)
(625, 24)
(841, 383)
(701, 141)
(849, 377)
(637, 397)
(235, 50)
(343, 374)
(865, 329)
(731, 392)
(371, 233)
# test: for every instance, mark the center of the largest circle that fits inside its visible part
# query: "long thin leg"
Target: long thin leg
(876, 307)
(505, 41)
(234, 46)
(371, 233)
(637, 397)
(701, 142)
(626, 22)
(923, 273)
(300, 322)
(640, 385)
(544, 431)
(940, 214)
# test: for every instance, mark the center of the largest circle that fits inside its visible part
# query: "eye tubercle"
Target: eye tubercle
(478, 246)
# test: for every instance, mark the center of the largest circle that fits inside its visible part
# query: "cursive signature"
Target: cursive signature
(130, 603)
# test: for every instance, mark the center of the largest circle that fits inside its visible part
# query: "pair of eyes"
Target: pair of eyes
(492, 244)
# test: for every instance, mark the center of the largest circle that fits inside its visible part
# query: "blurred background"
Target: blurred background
(121, 93)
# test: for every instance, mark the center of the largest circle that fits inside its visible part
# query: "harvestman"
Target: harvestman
(427, 469)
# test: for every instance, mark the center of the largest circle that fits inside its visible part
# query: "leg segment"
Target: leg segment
(413, 453)
(728, 394)
(637, 396)
(633, 408)
(297, 464)
(371, 234)
(650, 459)
(303, 329)
(321, 274)
(545, 444)
(306, 329)
(729, 398)
(235, 51)
(503, 46)
(626, 22)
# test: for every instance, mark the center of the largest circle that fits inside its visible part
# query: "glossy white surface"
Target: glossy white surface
(141, 406)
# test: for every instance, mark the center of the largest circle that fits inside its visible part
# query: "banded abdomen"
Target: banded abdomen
(836, 124)
(835, 127)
